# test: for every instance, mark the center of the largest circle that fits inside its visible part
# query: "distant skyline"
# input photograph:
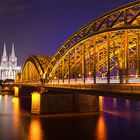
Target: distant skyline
(40, 27)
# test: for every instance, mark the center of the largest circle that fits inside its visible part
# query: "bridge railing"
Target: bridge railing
(130, 89)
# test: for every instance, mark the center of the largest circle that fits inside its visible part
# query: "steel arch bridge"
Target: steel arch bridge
(106, 50)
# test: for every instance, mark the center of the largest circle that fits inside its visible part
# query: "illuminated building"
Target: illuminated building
(8, 67)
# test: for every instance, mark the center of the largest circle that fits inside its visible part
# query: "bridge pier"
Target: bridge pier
(35, 103)
(16, 91)
(86, 103)
(44, 103)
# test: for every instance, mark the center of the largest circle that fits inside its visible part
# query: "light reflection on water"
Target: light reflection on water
(118, 119)
(35, 130)
(101, 129)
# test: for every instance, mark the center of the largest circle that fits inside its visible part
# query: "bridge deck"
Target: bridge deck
(130, 90)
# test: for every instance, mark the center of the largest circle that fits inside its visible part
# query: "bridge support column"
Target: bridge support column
(43, 103)
(138, 57)
(83, 63)
(35, 103)
(69, 68)
(86, 103)
(121, 75)
(16, 91)
(94, 58)
(126, 57)
(75, 64)
(108, 59)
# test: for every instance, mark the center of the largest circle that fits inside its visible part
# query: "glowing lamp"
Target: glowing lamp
(35, 108)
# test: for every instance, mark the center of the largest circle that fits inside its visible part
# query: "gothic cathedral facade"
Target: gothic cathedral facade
(8, 66)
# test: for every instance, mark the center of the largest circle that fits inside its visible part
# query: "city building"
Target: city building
(8, 65)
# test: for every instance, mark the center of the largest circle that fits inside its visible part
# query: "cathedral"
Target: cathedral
(8, 66)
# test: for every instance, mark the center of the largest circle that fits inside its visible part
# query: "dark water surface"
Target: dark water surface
(118, 120)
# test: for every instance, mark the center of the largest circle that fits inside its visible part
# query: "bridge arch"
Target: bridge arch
(34, 68)
(106, 48)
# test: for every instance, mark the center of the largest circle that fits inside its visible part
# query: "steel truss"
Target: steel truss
(106, 49)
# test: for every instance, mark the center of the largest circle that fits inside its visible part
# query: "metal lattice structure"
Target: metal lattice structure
(105, 50)
(34, 68)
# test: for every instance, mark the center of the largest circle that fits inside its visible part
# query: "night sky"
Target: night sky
(40, 27)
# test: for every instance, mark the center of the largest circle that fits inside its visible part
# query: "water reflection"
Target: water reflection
(16, 106)
(35, 131)
(101, 128)
(5, 104)
(119, 119)
(0, 98)
(115, 102)
(127, 103)
(16, 109)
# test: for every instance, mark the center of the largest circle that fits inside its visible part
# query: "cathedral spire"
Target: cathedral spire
(12, 57)
(4, 51)
(13, 51)
(4, 59)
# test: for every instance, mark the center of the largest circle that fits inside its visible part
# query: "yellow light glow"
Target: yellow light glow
(35, 103)
(15, 100)
(101, 103)
(16, 120)
(35, 129)
(16, 91)
(6, 88)
(101, 129)
(6, 96)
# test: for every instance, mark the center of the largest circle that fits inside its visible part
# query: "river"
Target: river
(119, 119)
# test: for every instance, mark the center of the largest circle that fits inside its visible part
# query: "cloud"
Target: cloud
(15, 7)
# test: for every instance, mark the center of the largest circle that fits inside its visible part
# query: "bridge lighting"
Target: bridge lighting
(44, 75)
(16, 91)
(107, 50)
(35, 109)
(6, 88)
(89, 73)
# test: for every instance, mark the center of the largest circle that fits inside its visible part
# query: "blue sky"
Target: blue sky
(40, 27)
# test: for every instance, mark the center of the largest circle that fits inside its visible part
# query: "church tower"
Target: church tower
(13, 58)
(9, 69)
(4, 58)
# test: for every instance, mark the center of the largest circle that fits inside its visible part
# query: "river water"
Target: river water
(119, 119)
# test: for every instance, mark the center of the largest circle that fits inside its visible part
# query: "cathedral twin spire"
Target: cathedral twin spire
(12, 57)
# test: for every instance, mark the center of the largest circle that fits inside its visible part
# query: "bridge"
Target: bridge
(106, 50)
(104, 55)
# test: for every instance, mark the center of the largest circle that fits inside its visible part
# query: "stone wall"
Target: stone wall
(59, 103)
